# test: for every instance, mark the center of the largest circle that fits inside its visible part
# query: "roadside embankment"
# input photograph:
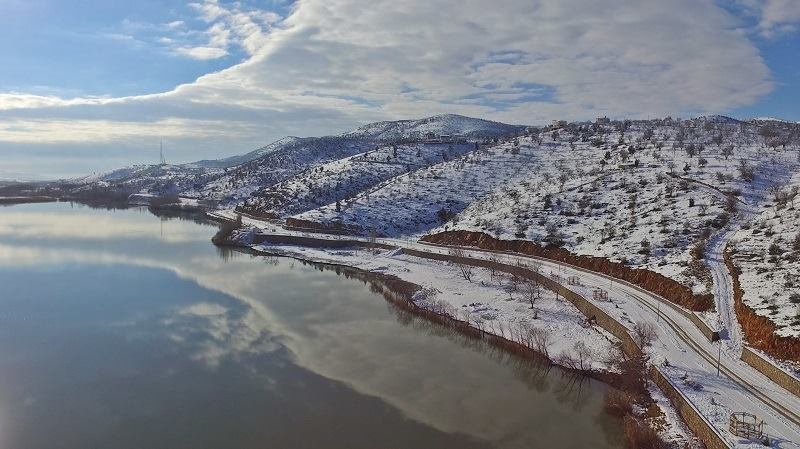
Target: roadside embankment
(759, 331)
(653, 282)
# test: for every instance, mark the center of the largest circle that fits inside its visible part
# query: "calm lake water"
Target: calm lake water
(120, 329)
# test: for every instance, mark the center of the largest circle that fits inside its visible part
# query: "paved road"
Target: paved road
(738, 387)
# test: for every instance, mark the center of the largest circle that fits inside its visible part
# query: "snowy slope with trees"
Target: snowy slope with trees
(648, 193)
(234, 179)
(342, 179)
(417, 202)
(767, 251)
(445, 124)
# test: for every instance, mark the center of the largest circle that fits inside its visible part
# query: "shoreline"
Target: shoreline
(400, 293)
(17, 200)
(651, 418)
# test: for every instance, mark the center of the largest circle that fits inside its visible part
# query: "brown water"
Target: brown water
(119, 329)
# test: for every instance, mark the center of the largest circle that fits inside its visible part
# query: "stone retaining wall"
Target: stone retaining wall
(775, 373)
(693, 419)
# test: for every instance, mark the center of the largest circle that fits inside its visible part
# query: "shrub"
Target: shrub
(640, 436)
(618, 403)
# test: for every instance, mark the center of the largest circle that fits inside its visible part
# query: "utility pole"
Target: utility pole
(719, 354)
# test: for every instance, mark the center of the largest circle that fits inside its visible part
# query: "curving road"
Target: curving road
(739, 387)
(691, 357)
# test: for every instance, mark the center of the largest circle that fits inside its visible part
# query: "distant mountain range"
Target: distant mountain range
(445, 124)
(233, 178)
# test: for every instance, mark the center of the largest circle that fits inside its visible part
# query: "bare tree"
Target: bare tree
(727, 152)
(578, 359)
(541, 340)
(644, 334)
(767, 132)
(532, 290)
(465, 269)
(562, 179)
(746, 171)
(536, 267)
(493, 272)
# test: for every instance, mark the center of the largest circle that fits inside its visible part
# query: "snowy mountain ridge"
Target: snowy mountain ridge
(443, 124)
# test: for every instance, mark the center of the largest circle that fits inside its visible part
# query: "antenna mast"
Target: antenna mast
(162, 161)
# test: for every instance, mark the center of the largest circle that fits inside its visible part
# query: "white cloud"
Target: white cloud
(774, 17)
(779, 16)
(202, 53)
(334, 63)
(228, 26)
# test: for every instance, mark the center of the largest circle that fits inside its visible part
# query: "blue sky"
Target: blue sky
(88, 85)
(782, 56)
(90, 47)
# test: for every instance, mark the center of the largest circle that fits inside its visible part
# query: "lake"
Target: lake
(121, 329)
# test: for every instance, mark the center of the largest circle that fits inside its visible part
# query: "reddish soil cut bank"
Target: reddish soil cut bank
(649, 280)
(758, 330)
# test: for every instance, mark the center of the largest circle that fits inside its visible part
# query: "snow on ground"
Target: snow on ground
(484, 301)
(767, 251)
(645, 192)
(669, 424)
(447, 124)
(293, 157)
(344, 178)
(691, 368)
(419, 201)
(655, 192)
(232, 180)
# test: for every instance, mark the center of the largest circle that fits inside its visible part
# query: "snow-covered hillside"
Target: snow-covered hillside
(648, 192)
(247, 157)
(446, 124)
(344, 178)
(232, 180)
(768, 253)
(417, 202)
(291, 158)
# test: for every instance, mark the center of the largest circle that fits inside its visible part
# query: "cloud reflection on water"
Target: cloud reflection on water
(332, 326)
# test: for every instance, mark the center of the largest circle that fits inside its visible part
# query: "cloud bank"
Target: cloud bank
(330, 65)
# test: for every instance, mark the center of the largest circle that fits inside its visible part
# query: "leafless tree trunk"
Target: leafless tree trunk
(644, 334)
(541, 340)
(532, 291)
